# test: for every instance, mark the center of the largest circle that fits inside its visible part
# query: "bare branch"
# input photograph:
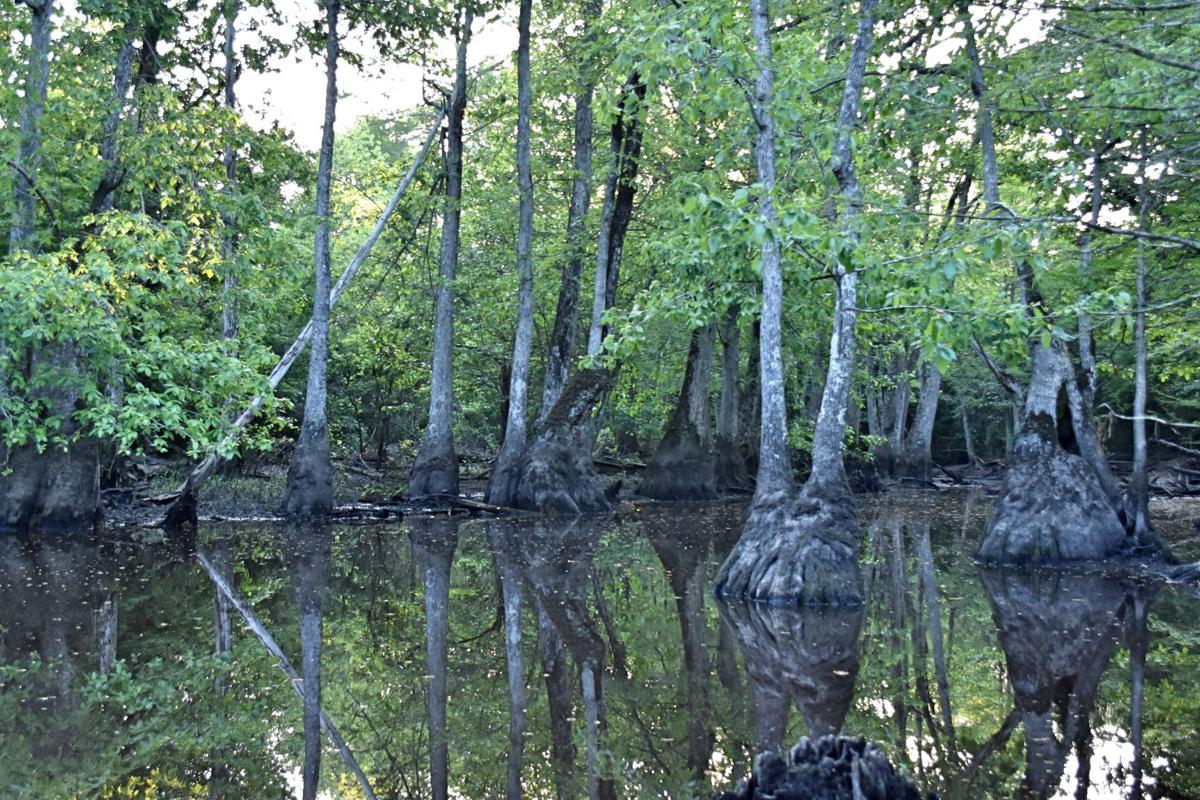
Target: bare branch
(33, 185)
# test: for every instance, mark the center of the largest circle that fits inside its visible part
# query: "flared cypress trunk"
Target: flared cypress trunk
(803, 548)
(310, 475)
(57, 489)
(566, 316)
(502, 486)
(1053, 506)
(435, 470)
(556, 472)
(729, 459)
(682, 467)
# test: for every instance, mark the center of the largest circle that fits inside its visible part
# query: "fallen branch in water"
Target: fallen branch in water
(264, 636)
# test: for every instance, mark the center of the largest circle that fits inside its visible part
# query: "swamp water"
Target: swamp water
(977, 683)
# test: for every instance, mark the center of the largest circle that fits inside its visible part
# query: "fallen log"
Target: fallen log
(206, 467)
(268, 642)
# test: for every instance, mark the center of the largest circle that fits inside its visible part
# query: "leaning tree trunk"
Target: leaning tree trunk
(730, 461)
(566, 316)
(804, 548)
(556, 472)
(436, 469)
(682, 467)
(229, 292)
(502, 487)
(310, 475)
(917, 461)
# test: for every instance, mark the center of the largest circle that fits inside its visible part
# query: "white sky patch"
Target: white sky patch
(294, 95)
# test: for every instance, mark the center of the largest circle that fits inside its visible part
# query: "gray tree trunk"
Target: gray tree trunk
(566, 317)
(505, 555)
(774, 461)
(617, 211)
(1137, 503)
(29, 146)
(502, 486)
(730, 461)
(436, 469)
(310, 476)
(804, 548)
(917, 460)
(229, 295)
(682, 466)
(102, 198)
(556, 471)
(1053, 506)
(59, 489)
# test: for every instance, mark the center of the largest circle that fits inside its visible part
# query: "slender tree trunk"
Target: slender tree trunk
(968, 440)
(505, 554)
(502, 487)
(828, 437)
(774, 461)
(106, 624)
(229, 295)
(1138, 495)
(310, 475)
(102, 198)
(436, 468)
(731, 472)
(37, 82)
(917, 459)
(566, 317)
(617, 211)
(682, 467)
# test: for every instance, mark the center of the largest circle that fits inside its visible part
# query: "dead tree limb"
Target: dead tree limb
(206, 467)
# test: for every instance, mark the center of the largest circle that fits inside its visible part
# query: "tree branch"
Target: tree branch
(33, 185)
(1129, 48)
(1001, 374)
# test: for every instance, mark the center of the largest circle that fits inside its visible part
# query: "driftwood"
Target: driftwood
(206, 467)
(264, 636)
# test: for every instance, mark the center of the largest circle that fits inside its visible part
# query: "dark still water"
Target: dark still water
(122, 676)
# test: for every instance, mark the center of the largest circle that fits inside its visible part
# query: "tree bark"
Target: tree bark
(102, 198)
(29, 146)
(682, 467)
(566, 316)
(1137, 500)
(730, 461)
(617, 211)
(804, 548)
(435, 470)
(502, 486)
(505, 555)
(917, 459)
(229, 294)
(310, 476)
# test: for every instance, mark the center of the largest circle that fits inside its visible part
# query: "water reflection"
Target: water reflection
(1058, 632)
(646, 688)
(307, 549)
